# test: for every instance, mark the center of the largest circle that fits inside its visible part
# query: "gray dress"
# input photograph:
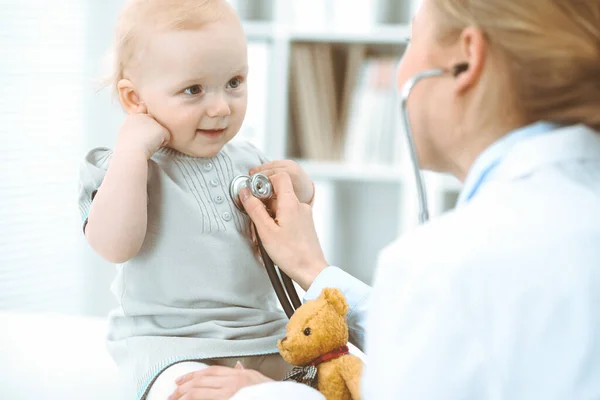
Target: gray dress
(196, 290)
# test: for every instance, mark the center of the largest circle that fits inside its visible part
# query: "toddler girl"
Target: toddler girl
(190, 287)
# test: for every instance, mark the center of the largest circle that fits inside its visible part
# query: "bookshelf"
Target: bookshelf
(362, 203)
(384, 34)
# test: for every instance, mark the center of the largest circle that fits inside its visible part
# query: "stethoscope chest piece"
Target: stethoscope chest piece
(259, 186)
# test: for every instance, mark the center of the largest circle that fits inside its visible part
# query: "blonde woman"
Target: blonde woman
(500, 298)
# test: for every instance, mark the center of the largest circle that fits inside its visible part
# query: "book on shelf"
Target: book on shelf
(313, 100)
(373, 133)
(344, 105)
(355, 57)
(254, 129)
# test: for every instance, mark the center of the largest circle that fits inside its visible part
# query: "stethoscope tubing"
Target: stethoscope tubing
(282, 284)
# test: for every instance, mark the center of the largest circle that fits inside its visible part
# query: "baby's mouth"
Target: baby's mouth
(211, 132)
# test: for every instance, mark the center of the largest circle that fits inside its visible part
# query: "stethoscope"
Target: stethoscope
(404, 94)
(261, 188)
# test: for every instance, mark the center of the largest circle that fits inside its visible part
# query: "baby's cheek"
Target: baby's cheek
(238, 112)
(176, 124)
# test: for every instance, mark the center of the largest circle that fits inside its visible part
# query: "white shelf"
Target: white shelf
(337, 171)
(340, 171)
(382, 34)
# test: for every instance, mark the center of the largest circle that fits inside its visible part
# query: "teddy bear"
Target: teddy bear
(316, 343)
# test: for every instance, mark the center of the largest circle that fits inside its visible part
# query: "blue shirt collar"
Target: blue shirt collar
(485, 164)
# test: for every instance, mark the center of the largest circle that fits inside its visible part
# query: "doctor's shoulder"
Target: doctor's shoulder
(443, 238)
(472, 236)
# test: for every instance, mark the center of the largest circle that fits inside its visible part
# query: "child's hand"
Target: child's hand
(303, 185)
(142, 134)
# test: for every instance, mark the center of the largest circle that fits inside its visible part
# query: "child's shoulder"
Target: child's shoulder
(98, 157)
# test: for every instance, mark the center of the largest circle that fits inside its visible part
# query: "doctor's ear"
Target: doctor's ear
(129, 97)
(472, 48)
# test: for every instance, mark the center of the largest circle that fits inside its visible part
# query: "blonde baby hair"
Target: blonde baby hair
(141, 17)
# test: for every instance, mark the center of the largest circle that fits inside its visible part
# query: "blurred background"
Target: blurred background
(322, 91)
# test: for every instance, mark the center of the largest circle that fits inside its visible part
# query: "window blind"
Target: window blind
(41, 143)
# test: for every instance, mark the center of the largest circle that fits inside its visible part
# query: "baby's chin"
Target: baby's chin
(201, 149)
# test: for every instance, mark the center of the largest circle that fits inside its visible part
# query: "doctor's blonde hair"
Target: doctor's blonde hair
(551, 49)
(140, 18)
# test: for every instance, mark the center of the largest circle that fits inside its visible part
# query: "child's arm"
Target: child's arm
(117, 220)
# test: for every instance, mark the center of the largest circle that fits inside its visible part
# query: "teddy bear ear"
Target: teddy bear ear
(336, 299)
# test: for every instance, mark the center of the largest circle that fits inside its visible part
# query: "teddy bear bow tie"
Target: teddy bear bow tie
(308, 374)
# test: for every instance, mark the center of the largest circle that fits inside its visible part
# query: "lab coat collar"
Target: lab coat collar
(486, 163)
(576, 142)
(523, 151)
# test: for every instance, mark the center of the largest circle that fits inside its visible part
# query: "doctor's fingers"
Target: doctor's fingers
(257, 212)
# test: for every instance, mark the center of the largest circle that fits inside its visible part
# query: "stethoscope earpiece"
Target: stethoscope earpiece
(459, 69)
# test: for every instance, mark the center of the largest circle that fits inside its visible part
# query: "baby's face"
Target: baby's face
(194, 83)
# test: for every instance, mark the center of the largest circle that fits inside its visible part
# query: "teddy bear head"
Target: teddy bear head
(317, 327)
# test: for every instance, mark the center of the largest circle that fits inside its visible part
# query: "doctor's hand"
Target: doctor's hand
(303, 185)
(290, 237)
(215, 383)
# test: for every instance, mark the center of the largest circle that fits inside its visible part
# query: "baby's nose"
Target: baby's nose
(219, 107)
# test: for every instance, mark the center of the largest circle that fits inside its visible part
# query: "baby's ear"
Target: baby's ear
(129, 98)
(336, 299)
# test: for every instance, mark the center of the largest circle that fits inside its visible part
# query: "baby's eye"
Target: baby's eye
(307, 332)
(234, 83)
(193, 90)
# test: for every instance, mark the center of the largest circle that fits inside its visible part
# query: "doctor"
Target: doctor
(499, 298)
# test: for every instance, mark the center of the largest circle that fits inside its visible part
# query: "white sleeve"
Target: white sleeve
(356, 293)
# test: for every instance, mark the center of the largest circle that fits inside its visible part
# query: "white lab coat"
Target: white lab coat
(500, 298)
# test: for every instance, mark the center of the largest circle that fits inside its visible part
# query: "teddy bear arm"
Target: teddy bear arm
(331, 382)
(351, 372)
